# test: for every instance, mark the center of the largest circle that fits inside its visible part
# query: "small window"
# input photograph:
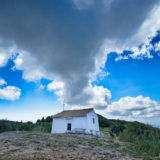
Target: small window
(69, 126)
(93, 121)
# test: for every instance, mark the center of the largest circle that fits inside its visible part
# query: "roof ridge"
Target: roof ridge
(78, 109)
(72, 113)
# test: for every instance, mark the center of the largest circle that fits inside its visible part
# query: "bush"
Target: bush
(43, 125)
(103, 122)
(8, 125)
(116, 129)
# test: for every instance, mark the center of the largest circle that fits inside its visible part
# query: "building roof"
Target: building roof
(72, 113)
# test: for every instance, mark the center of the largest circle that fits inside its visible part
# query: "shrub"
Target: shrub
(116, 129)
(43, 125)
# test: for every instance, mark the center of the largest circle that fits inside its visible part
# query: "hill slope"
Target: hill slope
(44, 146)
(140, 140)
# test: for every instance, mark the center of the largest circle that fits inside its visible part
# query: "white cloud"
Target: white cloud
(97, 97)
(157, 47)
(41, 87)
(74, 56)
(32, 70)
(143, 52)
(144, 34)
(149, 27)
(58, 87)
(134, 107)
(120, 57)
(3, 59)
(2, 82)
(10, 93)
(5, 52)
(138, 53)
(67, 86)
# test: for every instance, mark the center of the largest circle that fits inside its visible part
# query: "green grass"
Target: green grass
(144, 140)
(140, 140)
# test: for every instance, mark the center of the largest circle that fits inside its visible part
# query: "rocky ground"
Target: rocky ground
(44, 146)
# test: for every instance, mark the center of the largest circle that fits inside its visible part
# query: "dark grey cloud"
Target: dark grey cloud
(65, 38)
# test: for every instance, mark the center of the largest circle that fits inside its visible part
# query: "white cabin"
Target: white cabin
(84, 121)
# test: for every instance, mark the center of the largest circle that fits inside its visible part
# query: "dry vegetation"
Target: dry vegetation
(44, 146)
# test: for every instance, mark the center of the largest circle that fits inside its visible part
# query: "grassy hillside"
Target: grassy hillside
(27, 145)
(144, 140)
(141, 140)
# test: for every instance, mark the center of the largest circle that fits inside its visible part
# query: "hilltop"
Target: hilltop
(122, 140)
(44, 146)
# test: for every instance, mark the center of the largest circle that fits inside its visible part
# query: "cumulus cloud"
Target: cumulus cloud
(66, 40)
(6, 50)
(99, 97)
(29, 64)
(91, 96)
(134, 107)
(140, 52)
(58, 87)
(10, 93)
(41, 87)
(157, 47)
(2, 82)
(140, 42)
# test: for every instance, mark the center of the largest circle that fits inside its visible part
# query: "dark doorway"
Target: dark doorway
(69, 126)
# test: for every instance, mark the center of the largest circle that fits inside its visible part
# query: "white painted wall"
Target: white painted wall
(59, 125)
(92, 127)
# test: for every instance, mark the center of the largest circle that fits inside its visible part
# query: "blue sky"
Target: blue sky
(32, 98)
(81, 53)
(133, 77)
